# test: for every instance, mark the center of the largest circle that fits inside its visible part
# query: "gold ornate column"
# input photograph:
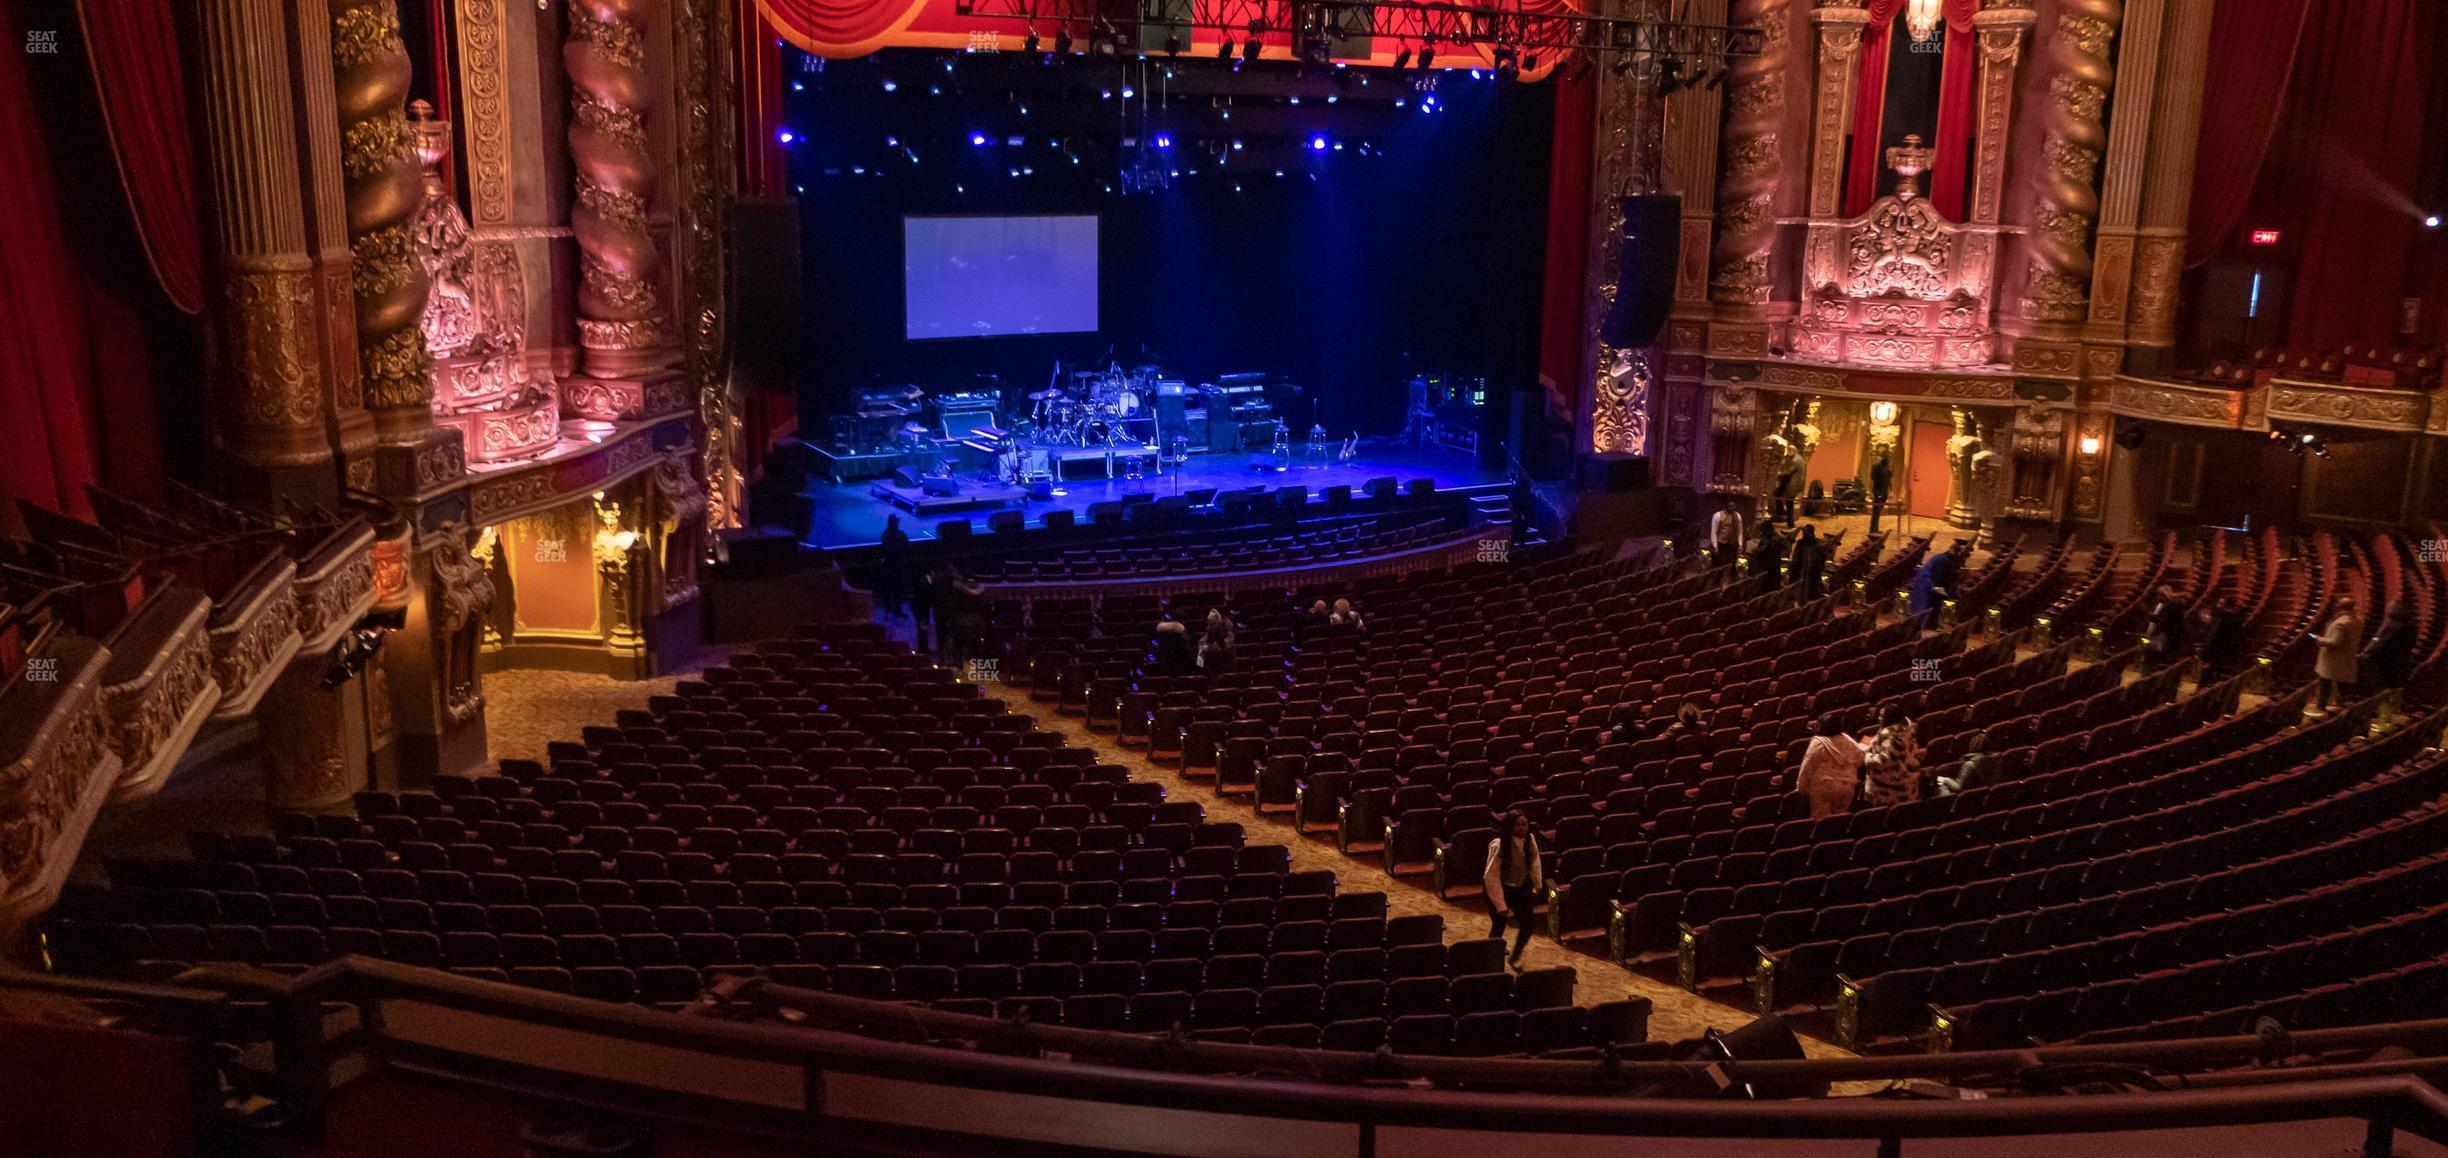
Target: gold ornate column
(624, 331)
(702, 39)
(620, 562)
(349, 428)
(378, 160)
(2131, 140)
(2065, 204)
(1624, 158)
(1999, 28)
(1751, 164)
(431, 665)
(268, 366)
(2167, 184)
(1841, 24)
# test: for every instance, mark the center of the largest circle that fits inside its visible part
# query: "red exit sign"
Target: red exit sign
(2265, 237)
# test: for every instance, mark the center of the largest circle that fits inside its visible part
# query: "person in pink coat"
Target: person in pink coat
(1831, 769)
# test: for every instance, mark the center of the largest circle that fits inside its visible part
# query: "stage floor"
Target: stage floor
(847, 515)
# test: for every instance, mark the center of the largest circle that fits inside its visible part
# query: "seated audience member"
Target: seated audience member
(1891, 765)
(1345, 618)
(1969, 772)
(1172, 646)
(1215, 650)
(1831, 769)
(1314, 620)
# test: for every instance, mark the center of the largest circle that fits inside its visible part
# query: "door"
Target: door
(1925, 470)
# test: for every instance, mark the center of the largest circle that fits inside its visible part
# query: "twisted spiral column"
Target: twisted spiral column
(620, 322)
(2065, 202)
(1752, 166)
(383, 189)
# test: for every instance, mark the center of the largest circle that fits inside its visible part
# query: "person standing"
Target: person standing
(2223, 640)
(1892, 763)
(1767, 549)
(1789, 486)
(1831, 769)
(1808, 566)
(1512, 881)
(1935, 584)
(1725, 536)
(2167, 627)
(2390, 656)
(1882, 476)
(892, 578)
(2339, 645)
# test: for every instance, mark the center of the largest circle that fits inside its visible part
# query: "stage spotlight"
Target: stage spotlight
(1173, 44)
(1236, 144)
(981, 140)
(2431, 222)
(1062, 41)
(1250, 48)
(892, 85)
(1317, 142)
(1402, 59)
(1717, 79)
(1030, 44)
(1164, 140)
(1224, 49)
(1428, 58)
(786, 136)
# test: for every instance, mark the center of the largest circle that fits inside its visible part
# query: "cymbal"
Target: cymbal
(1042, 395)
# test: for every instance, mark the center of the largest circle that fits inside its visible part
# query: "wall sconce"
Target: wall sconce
(2090, 445)
(1883, 413)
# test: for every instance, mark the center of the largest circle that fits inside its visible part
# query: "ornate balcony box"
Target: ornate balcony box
(56, 769)
(158, 687)
(524, 427)
(1898, 286)
(254, 635)
(335, 586)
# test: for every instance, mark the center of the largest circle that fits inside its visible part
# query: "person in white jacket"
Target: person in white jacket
(1512, 880)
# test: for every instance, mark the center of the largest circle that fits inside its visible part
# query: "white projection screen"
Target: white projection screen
(978, 277)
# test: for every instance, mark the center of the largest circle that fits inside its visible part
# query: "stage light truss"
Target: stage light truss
(1508, 26)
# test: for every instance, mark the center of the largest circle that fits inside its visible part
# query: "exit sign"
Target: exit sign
(2265, 237)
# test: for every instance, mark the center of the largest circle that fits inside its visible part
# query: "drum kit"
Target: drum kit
(1096, 407)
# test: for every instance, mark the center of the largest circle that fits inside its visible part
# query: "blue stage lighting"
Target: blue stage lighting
(785, 136)
(1164, 140)
(891, 85)
(1317, 142)
(1129, 92)
(978, 139)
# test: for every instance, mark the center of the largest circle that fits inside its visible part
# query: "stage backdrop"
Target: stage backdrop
(1342, 275)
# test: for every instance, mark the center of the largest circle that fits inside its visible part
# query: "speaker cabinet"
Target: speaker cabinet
(1380, 489)
(1059, 520)
(1614, 473)
(1644, 269)
(952, 529)
(1007, 522)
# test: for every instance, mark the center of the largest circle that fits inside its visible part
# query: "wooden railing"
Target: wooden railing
(1055, 1087)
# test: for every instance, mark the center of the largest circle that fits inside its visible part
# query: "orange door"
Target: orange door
(1925, 486)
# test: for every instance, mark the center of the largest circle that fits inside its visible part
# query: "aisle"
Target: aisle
(1675, 1014)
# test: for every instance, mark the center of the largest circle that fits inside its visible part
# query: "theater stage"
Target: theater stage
(852, 515)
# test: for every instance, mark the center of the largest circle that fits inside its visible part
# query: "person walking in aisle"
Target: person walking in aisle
(1831, 769)
(2390, 656)
(1512, 881)
(2340, 643)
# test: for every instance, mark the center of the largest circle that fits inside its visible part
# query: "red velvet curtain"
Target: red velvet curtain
(1867, 165)
(1953, 168)
(1870, 108)
(134, 51)
(840, 28)
(2253, 48)
(757, 62)
(1567, 262)
(2347, 167)
(75, 382)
